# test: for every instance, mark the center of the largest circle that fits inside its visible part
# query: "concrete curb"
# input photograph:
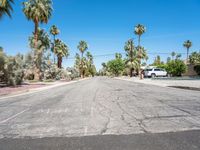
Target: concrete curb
(35, 90)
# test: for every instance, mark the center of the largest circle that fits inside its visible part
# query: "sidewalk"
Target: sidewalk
(33, 87)
(165, 83)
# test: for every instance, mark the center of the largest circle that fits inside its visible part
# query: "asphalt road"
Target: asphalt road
(102, 114)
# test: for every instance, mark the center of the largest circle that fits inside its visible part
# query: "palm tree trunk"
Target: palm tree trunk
(187, 55)
(131, 72)
(54, 56)
(59, 62)
(36, 67)
(82, 71)
(139, 40)
(36, 33)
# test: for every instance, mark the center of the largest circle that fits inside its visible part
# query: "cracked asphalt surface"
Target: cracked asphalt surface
(102, 111)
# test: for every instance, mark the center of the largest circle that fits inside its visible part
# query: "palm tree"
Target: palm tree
(39, 11)
(91, 69)
(141, 54)
(54, 31)
(139, 30)
(118, 56)
(6, 7)
(82, 47)
(61, 50)
(173, 54)
(131, 61)
(77, 61)
(187, 44)
(42, 46)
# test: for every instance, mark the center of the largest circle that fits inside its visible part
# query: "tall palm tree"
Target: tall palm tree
(139, 30)
(54, 31)
(6, 7)
(173, 54)
(91, 70)
(77, 61)
(42, 46)
(82, 47)
(61, 50)
(39, 11)
(187, 44)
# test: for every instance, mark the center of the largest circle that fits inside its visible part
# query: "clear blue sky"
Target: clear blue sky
(107, 24)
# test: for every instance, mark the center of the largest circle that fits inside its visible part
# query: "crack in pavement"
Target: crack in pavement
(139, 121)
(105, 128)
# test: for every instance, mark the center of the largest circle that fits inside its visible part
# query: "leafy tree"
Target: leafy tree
(61, 50)
(187, 44)
(139, 30)
(6, 7)
(195, 58)
(116, 66)
(54, 31)
(176, 67)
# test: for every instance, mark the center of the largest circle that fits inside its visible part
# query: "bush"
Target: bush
(73, 73)
(116, 66)
(14, 70)
(197, 69)
(176, 67)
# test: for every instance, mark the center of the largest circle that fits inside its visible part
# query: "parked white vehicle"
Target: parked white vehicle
(155, 72)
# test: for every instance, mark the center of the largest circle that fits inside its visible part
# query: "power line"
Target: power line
(113, 54)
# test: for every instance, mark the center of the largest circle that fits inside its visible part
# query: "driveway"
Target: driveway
(102, 108)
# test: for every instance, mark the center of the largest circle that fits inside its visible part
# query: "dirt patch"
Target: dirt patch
(25, 87)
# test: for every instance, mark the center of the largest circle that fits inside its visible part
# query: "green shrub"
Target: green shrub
(176, 67)
(14, 70)
(116, 66)
(197, 69)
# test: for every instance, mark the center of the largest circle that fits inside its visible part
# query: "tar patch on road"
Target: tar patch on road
(188, 140)
(186, 88)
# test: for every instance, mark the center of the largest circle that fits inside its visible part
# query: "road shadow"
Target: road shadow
(187, 140)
